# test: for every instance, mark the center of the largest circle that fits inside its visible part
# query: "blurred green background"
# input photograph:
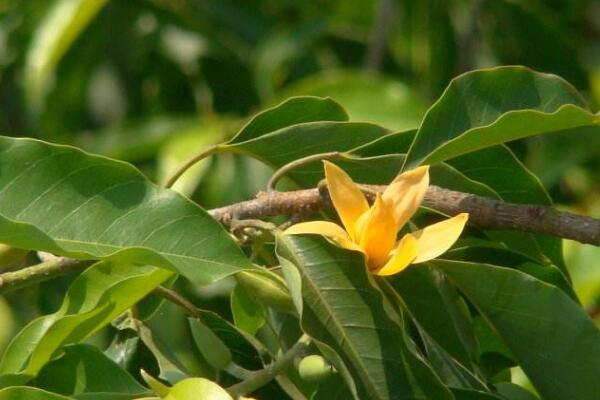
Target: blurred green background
(153, 82)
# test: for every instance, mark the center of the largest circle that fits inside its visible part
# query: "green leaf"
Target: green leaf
(296, 141)
(84, 369)
(157, 386)
(451, 372)
(474, 250)
(437, 308)
(197, 388)
(215, 352)
(488, 107)
(494, 357)
(97, 296)
(124, 348)
(295, 110)
(170, 368)
(29, 393)
(511, 391)
(249, 315)
(393, 143)
(552, 337)
(57, 32)
(149, 305)
(297, 128)
(68, 202)
(491, 166)
(344, 309)
(398, 107)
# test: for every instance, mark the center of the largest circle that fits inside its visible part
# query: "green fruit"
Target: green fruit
(314, 368)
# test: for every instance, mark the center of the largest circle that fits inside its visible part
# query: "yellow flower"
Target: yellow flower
(373, 230)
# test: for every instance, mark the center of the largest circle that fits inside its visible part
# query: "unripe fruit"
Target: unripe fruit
(314, 368)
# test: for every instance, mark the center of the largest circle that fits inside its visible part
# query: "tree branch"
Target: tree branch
(484, 212)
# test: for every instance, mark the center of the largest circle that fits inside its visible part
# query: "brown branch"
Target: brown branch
(484, 212)
(268, 204)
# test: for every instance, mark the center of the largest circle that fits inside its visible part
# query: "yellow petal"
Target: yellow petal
(348, 200)
(437, 238)
(403, 255)
(378, 232)
(325, 228)
(406, 192)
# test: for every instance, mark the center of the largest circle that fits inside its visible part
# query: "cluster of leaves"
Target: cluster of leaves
(150, 82)
(129, 79)
(451, 329)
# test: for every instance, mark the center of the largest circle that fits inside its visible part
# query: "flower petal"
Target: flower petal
(378, 232)
(348, 200)
(407, 192)
(437, 238)
(325, 228)
(403, 255)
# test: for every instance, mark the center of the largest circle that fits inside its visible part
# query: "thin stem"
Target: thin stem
(190, 163)
(300, 162)
(179, 300)
(261, 377)
(40, 272)
(252, 223)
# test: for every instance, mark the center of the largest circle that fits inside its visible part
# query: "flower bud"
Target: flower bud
(268, 288)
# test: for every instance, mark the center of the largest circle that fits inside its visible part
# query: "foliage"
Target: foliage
(100, 99)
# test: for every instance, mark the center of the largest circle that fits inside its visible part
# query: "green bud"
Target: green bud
(314, 368)
(268, 288)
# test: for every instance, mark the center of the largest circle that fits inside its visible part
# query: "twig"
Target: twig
(190, 163)
(484, 212)
(181, 301)
(300, 162)
(40, 272)
(268, 204)
(261, 377)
